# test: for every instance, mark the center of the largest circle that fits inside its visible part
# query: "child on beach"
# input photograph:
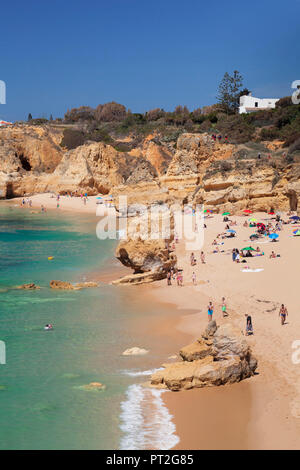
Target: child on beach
(224, 307)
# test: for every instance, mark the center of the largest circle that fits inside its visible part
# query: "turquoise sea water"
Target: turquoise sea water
(41, 403)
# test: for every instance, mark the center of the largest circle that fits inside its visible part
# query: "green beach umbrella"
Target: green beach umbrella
(248, 248)
(253, 220)
(226, 213)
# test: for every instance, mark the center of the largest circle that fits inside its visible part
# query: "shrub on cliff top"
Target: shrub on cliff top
(72, 139)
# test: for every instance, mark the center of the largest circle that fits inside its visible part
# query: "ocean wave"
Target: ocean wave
(140, 373)
(145, 420)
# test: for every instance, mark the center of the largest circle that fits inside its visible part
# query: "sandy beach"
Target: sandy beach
(262, 412)
(66, 203)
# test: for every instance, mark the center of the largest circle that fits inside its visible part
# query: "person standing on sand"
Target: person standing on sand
(249, 327)
(202, 256)
(210, 311)
(224, 307)
(194, 278)
(169, 278)
(283, 313)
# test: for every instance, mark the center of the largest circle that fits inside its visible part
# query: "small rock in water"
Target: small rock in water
(30, 286)
(134, 352)
(97, 386)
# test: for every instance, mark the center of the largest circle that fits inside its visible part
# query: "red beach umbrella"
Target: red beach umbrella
(247, 211)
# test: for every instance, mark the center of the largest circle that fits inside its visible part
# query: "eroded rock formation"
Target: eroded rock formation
(221, 356)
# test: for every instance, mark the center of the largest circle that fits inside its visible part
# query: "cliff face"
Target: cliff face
(194, 170)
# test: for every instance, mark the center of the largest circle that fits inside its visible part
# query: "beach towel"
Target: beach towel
(257, 270)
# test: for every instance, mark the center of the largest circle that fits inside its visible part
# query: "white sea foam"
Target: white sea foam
(141, 373)
(145, 420)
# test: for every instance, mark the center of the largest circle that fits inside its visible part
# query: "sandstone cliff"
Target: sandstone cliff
(194, 169)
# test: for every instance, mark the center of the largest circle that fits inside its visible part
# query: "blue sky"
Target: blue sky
(144, 54)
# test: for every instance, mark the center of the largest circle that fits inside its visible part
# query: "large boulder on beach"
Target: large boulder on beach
(224, 358)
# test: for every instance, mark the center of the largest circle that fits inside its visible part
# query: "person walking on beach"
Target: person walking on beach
(210, 311)
(283, 313)
(194, 278)
(202, 256)
(169, 278)
(224, 307)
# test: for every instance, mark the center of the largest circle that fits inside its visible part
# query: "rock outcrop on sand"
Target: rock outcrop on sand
(147, 248)
(221, 356)
(64, 285)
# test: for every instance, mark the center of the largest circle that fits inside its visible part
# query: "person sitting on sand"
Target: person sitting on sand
(216, 250)
(245, 224)
(192, 259)
(272, 255)
(283, 313)
(249, 327)
(224, 308)
(258, 249)
(210, 311)
(214, 242)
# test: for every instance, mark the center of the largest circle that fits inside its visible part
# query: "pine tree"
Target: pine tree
(29, 117)
(229, 91)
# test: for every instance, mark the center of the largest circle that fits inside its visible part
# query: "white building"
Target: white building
(249, 104)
